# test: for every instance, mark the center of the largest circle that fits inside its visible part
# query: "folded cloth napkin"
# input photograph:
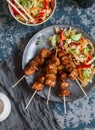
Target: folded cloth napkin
(38, 116)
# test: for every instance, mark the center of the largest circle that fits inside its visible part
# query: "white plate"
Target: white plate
(32, 49)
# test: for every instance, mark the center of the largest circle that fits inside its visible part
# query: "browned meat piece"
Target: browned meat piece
(33, 63)
(63, 77)
(63, 85)
(55, 60)
(50, 76)
(60, 53)
(73, 75)
(42, 61)
(70, 66)
(66, 92)
(60, 69)
(65, 60)
(50, 82)
(41, 57)
(39, 60)
(37, 86)
(30, 70)
(45, 53)
(41, 78)
(51, 68)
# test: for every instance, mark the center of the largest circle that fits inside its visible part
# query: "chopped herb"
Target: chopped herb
(38, 42)
(35, 13)
(86, 50)
(57, 38)
(26, 3)
(87, 73)
(41, 5)
(73, 50)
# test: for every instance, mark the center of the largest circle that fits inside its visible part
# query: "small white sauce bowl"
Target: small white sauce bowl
(5, 107)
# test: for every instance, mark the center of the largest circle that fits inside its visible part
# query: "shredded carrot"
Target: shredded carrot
(83, 41)
(64, 38)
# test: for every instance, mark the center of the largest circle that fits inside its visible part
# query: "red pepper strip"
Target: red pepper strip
(61, 40)
(45, 4)
(14, 11)
(41, 14)
(83, 66)
(88, 58)
(74, 43)
(13, 1)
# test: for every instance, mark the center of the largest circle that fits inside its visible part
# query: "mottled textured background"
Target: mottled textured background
(14, 37)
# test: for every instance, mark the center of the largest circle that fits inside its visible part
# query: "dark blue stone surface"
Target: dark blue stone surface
(14, 37)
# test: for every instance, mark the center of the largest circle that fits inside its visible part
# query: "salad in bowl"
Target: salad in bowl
(39, 10)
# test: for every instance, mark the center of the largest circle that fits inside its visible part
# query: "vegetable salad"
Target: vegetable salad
(40, 10)
(80, 49)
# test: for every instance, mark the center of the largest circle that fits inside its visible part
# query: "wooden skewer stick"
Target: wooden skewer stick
(64, 103)
(31, 99)
(56, 52)
(18, 81)
(81, 87)
(31, 18)
(26, 19)
(48, 96)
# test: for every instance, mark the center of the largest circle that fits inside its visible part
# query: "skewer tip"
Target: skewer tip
(64, 104)
(30, 99)
(48, 96)
(18, 81)
(81, 87)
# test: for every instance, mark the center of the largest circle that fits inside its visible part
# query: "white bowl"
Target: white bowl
(5, 107)
(30, 24)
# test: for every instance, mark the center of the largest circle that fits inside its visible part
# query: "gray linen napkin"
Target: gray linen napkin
(38, 116)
